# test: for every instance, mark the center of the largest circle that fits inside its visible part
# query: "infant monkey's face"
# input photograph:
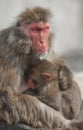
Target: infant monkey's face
(41, 74)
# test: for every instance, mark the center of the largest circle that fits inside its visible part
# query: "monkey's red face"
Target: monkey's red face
(39, 34)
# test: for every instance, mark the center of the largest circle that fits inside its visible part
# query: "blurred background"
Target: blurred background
(67, 24)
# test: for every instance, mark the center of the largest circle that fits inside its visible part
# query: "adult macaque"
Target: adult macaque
(21, 45)
(43, 83)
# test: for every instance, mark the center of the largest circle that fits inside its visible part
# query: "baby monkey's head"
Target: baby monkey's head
(41, 74)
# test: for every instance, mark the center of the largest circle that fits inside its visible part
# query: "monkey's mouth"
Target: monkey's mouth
(42, 50)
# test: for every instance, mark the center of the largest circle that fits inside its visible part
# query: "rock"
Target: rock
(20, 126)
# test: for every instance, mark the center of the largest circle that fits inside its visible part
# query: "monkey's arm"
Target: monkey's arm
(71, 93)
(71, 101)
(65, 75)
(28, 109)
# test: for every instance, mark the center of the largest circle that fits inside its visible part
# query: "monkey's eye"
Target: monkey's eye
(35, 82)
(46, 29)
(35, 30)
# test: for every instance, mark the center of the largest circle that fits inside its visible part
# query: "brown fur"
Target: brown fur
(16, 55)
(35, 15)
(47, 89)
(28, 109)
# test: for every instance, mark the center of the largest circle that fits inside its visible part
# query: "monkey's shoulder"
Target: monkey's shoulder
(57, 60)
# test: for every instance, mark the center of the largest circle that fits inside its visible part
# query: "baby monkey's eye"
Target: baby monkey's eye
(35, 81)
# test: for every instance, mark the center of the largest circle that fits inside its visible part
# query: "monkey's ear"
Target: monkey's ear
(18, 24)
(47, 75)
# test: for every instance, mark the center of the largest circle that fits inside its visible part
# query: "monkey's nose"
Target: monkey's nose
(41, 40)
(30, 84)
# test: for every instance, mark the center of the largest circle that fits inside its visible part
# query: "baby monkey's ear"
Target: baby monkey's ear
(47, 76)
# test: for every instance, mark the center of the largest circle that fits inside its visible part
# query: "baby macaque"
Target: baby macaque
(43, 83)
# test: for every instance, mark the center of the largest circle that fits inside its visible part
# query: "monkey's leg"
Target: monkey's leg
(8, 110)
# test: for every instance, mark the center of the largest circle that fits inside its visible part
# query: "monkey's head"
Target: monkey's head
(33, 23)
(41, 74)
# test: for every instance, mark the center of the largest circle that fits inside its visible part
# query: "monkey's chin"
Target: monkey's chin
(42, 56)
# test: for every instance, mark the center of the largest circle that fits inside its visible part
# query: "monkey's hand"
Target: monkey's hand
(65, 77)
